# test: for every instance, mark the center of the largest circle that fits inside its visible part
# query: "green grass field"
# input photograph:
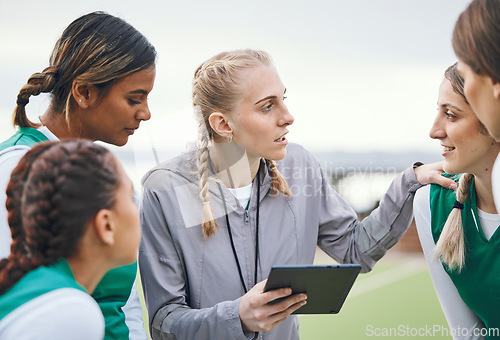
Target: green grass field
(395, 300)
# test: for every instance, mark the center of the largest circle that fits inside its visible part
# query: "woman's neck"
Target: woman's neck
(87, 273)
(57, 124)
(484, 192)
(234, 166)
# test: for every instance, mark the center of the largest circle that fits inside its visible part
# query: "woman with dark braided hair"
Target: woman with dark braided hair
(459, 230)
(215, 220)
(73, 218)
(99, 76)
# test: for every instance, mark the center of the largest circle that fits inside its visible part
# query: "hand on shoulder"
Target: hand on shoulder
(432, 173)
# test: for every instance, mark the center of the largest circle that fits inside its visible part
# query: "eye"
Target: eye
(134, 102)
(449, 114)
(268, 107)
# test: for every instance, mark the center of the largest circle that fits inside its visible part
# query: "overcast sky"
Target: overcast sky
(361, 75)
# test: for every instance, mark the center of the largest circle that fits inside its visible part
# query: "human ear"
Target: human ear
(84, 94)
(220, 124)
(104, 226)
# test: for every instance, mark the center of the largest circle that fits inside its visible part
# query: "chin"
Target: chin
(278, 156)
(120, 142)
(451, 170)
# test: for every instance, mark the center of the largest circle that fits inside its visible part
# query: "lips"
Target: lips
(281, 139)
(130, 130)
(447, 148)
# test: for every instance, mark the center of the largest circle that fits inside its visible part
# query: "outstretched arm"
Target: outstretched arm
(349, 240)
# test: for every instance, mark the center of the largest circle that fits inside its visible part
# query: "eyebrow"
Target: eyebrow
(267, 98)
(140, 91)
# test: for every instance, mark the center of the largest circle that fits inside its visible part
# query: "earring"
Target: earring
(80, 101)
(230, 139)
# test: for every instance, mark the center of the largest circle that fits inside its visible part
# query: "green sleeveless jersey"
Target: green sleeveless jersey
(38, 282)
(479, 281)
(24, 136)
(112, 294)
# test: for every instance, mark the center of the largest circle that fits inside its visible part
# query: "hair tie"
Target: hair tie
(22, 101)
(458, 205)
(273, 168)
(206, 202)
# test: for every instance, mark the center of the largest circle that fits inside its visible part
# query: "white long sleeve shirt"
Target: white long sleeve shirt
(458, 315)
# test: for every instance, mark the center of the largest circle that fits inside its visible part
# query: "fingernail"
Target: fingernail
(303, 302)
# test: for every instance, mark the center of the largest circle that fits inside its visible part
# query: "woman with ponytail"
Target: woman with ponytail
(99, 76)
(73, 218)
(216, 219)
(458, 229)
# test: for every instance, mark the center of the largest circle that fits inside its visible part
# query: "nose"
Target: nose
(144, 113)
(286, 119)
(437, 129)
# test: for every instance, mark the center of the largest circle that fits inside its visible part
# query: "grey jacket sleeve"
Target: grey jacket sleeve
(166, 288)
(348, 240)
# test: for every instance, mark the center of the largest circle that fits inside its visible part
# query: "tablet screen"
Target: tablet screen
(326, 286)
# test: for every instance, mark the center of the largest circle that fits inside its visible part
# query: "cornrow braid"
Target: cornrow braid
(20, 260)
(450, 248)
(278, 182)
(36, 84)
(45, 215)
(56, 188)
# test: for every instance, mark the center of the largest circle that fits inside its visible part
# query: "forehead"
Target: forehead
(445, 87)
(448, 95)
(450, 99)
(261, 82)
(140, 80)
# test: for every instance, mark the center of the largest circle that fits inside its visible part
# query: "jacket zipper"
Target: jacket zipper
(247, 217)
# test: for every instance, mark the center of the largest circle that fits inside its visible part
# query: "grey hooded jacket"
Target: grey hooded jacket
(191, 284)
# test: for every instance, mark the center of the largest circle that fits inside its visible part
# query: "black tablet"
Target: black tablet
(326, 286)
